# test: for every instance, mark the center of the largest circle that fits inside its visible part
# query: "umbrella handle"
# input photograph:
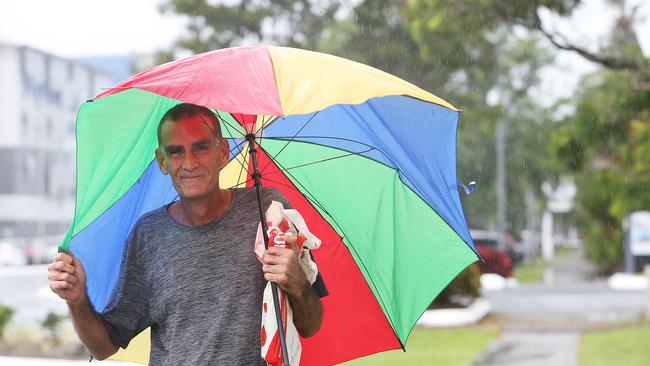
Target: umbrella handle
(274, 286)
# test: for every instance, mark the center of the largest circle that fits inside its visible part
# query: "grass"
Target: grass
(627, 347)
(532, 271)
(449, 347)
(560, 251)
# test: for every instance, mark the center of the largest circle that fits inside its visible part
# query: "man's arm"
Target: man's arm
(307, 311)
(68, 280)
(281, 266)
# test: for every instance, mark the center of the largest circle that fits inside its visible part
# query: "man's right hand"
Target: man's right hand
(67, 278)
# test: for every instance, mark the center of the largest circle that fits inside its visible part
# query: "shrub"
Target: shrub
(52, 323)
(604, 245)
(6, 313)
(466, 286)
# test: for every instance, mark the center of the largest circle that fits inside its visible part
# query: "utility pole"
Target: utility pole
(500, 142)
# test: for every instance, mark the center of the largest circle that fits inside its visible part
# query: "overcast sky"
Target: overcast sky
(72, 28)
(75, 28)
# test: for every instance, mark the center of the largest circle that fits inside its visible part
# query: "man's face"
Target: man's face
(193, 155)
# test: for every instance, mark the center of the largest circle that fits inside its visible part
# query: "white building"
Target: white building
(40, 95)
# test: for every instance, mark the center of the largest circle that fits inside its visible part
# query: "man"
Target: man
(188, 269)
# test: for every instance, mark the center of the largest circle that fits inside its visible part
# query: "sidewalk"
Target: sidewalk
(542, 323)
(532, 349)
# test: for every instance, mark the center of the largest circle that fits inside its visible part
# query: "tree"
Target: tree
(432, 19)
(214, 25)
(605, 145)
(458, 61)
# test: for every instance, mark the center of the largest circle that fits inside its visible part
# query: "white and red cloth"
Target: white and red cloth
(283, 223)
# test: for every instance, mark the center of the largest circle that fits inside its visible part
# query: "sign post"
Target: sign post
(637, 239)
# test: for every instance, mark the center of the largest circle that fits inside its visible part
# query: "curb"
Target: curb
(627, 282)
(452, 318)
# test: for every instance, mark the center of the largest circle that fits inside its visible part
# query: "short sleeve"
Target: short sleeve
(127, 311)
(319, 284)
(272, 194)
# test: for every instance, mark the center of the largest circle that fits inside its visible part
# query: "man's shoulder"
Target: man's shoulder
(152, 217)
(267, 192)
(272, 193)
(152, 220)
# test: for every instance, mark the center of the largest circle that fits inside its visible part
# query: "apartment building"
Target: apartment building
(40, 95)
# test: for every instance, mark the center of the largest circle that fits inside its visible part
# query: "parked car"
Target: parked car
(498, 257)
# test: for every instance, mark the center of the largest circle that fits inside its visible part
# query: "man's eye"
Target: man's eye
(175, 152)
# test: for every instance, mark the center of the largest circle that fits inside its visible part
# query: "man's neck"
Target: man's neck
(201, 211)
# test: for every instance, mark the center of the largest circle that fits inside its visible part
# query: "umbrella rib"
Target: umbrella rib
(324, 160)
(265, 123)
(400, 172)
(307, 192)
(227, 124)
(344, 236)
(376, 292)
(394, 166)
(243, 163)
(308, 196)
(238, 147)
(291, 139)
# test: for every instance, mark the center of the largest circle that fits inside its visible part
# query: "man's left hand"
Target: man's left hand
(280, 265)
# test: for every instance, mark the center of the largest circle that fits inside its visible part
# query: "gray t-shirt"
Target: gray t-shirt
(199, 288)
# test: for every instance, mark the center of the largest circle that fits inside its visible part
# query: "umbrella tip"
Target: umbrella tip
(468, 189)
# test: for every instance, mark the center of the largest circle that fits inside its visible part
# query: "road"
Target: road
(586, 306)
(26, 290)
(541, 323)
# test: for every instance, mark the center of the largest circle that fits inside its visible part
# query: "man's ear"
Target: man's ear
(161, 160)
(225, 149)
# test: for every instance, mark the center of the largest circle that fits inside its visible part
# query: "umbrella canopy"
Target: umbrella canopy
(368, 159)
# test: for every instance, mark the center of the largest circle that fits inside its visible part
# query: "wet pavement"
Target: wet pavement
(516, 348)
(541, 323)
(27, 291)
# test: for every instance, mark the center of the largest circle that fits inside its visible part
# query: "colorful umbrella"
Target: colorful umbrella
(367, 158)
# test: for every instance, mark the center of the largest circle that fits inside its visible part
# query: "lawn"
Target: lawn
(449, 347)
(627, 347)
(531, 271)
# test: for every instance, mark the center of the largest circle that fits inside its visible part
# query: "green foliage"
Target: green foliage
(605, 146)
(6, 313)
(484, 57)
(466, 285)
(459, 33)
(52, 323)
(213, 25)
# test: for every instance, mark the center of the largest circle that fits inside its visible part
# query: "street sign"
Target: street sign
(639, 233)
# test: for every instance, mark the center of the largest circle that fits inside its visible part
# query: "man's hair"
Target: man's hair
(185, 110)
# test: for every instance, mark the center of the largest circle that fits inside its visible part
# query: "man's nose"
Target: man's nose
(190, 161)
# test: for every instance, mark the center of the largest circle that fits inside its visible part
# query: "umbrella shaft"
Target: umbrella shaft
(257, 177)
